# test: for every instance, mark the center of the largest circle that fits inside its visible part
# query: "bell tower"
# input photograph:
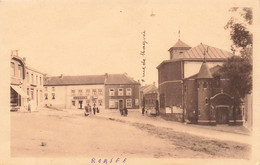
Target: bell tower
(204, 84)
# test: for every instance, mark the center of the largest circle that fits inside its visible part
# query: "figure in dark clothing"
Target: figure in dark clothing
(125, 111)
(94, 109)
(121, 111)
(97, 110)
(143, 111)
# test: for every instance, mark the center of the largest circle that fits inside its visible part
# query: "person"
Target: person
(29, 105)
(86, 111)
(143, 111)
(97, 110)
(89, 108)
(125, 111)
(94, 109)
(121, 111)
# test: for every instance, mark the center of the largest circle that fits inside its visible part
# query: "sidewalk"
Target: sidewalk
(222, 132)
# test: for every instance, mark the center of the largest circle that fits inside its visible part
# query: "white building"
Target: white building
(74, 92)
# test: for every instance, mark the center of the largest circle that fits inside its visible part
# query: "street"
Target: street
(54, 133)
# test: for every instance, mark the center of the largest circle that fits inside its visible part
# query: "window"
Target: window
(72, 92)
(32, 94)
(100, 92)
(27, 77)
(112, 103)
(100, 102)
(80, 92)
(206, 100)
(136, 102)
(87, 92)
(53, 96)
(73, 103)
(53, 88)
(20, 73)
(32, 78)
(128, 103)
(12, 69)
(120, 92)
(128, 91)
(40, 81)
(94, 92)
(111, 92)
(37, 80)
(28, 91)
(205, 85)
(46, 96)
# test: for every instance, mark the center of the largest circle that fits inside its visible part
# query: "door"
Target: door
(80, 104)
(121, 104)
(222, 115)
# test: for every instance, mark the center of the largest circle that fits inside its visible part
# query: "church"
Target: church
(189, 91)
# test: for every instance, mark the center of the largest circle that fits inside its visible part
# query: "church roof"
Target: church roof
(197, 52)
(180, 44)
(204, 71)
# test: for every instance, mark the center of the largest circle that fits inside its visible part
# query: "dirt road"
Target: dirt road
(59, 133)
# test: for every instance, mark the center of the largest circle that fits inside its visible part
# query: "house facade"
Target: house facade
(18, 96)
(104, 91)
(26, 84)
(121, 91)
(34, 87)
(74, 92)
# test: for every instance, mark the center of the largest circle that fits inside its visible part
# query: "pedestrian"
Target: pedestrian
(90, 110)
(121, 111)
(126, 111)
(86, 111)
(94, 109)
(143, 111)
(97, 110)
(29, 106)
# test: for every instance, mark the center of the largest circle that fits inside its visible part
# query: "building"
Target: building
(105, 91)
(121, 91)
(205, 101)
(26, 84)
(18, 96)
(74, 92)
(184, 62)
(148, 95)
(34, 87)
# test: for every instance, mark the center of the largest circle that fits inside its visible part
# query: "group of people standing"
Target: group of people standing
(89, 110)
(123, 112)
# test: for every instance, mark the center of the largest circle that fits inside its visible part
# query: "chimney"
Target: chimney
(61, 76)
(106, 75)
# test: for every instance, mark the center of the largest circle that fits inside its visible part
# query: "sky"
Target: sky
(89, 37)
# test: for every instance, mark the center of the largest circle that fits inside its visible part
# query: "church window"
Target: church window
(205, 85)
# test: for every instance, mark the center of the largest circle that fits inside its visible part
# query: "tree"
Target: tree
(238, 71)
(239, 25)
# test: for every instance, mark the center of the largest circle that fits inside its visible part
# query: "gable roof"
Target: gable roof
(75, 80)
(148, 88)
(119, 79)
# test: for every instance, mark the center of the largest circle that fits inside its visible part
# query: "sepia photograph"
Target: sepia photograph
(129, 82)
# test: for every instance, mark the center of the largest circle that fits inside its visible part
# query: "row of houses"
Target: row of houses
(109, 91)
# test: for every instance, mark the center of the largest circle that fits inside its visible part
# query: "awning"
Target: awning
(20, 91)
